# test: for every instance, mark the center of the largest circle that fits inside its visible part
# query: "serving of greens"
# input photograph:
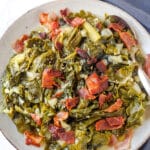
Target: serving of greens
(73, 85)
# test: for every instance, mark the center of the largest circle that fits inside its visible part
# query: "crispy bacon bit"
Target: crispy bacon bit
(77, 21)
(32, 139)
(84, 93)
(101, 66)
(103, 83)
(44, 18)
(65, 13)
(68, 137)
(63, 115)
(93, 83)
(55, 131)
(92, 60)
(103, 98)
(36, 118)
(147, 65)
(115, 121)
(18, 46)
(96, 84)
(48, 78)
(71, 102)
(114, 107)
(54, 25)
(60, 133)
(58, 45)
(82, 53)
(43, 35)
(56, 122)
(116, 27)
(51, 23)
(111, 123)
(99, 26)
(58, 94)
(128, 39)
(60, 117)
(54, 34)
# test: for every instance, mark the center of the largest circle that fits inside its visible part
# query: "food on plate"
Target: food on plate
(72, 84)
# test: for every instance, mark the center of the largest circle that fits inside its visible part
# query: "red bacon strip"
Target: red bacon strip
(114, 107)
(96, 84)
(60, 133)
(71, 102)
(49, 76)
(116, 27)
(111, 123)
(103, 98)
(101, 66)
(18, 46)
(128, 39)
(84, 93)
(68, 137)
(32, 139)
(77, 21)
(36, 118)
(60, 117)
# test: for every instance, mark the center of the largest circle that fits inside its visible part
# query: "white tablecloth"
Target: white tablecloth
(10, 10)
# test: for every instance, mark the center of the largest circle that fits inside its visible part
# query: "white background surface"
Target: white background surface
(10, 10)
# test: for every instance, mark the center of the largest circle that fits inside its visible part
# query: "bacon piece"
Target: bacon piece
(63, 115)
(49, 76)
(84, 93)
(36, 118)
(18, 46)
(103, 83)
(103, 98)
(115, 121)
(128, 39)
(68, 137)
(60, 117)
(77, 21)
(54, 25)
(43, 35)
(55, 131)
(114, 107)
(99, 26)
(92, 60)
(111, 123)
(58, 45)
(71, 102)
(58, 94)
(60, 133)
(101, 66)
(65, 13)
(147, 65)
(116, 27)
(54, 34)
(93, 83)
(82, 53)
(32, 139)
(96, 84)
(43, 18)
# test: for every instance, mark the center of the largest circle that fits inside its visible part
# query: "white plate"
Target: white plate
(29, 21)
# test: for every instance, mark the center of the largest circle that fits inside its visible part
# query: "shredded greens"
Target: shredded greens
(55, 73)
